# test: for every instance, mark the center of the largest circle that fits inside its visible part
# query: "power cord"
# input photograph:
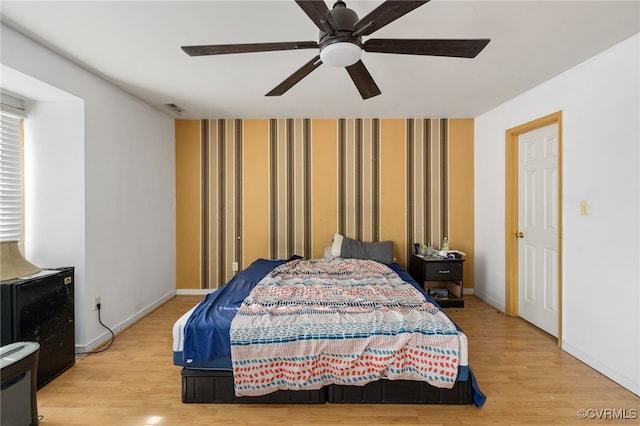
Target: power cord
(113, 336)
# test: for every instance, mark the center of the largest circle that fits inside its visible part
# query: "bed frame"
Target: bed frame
(214, 386)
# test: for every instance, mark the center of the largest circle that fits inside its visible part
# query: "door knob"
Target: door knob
(520, 234)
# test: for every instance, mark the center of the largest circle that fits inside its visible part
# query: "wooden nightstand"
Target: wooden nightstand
(438, 273)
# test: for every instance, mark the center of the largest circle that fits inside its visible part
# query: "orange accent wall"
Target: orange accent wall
(324, 183)
(461, 194)
(393, 192)
(255, 212)
(188, 196)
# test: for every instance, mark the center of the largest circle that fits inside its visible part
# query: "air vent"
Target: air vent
(174, 108)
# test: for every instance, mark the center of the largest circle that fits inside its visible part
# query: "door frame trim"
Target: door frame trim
(511, 212)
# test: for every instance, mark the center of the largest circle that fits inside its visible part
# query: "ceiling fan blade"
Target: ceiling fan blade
(384, 14)
(294, 78)
(223, 49)
(452, 48)
(319, 13)
(363, 80)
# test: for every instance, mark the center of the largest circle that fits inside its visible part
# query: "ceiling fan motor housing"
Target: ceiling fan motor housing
(345, 19)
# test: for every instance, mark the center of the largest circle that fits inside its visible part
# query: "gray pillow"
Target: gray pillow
(379, 251)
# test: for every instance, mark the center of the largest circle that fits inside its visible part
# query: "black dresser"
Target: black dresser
(41, 309)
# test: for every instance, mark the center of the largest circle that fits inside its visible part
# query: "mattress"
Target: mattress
(221, 363)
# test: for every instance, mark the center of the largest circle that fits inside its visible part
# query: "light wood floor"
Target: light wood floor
(526, 378)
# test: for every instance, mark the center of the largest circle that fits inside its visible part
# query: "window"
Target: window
(11, 194)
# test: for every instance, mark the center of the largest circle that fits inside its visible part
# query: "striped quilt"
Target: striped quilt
(311, 323)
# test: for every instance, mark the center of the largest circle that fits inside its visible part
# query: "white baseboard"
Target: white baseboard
(619, 377)
(193, 291)
(106, 336)
(625, 381)
(494, 303)
(469, 291)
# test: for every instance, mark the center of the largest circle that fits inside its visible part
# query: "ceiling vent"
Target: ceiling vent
(174, 108)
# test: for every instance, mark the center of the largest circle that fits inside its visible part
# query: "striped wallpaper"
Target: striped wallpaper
(221, 157)
(289, 188)
(359, 179)
(426, 174)
(272, 188)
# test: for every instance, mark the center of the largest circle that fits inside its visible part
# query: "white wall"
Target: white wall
(600, 104)
(54, 188)
(103, 191)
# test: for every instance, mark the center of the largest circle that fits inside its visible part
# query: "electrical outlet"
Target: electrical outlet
(96, 302)
(234, 266)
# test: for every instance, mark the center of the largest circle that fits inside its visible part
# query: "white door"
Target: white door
(538, 228)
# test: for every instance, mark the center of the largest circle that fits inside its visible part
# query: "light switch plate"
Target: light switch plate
(584, 208)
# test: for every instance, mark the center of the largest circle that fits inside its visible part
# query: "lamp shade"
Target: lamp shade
(12, 263)
(341, 54)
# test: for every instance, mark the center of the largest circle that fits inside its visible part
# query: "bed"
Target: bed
(352, 330)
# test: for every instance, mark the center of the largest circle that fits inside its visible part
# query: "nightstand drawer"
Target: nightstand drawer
(442, 271)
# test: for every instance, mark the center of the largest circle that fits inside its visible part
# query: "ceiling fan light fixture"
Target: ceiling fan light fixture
(340, 54)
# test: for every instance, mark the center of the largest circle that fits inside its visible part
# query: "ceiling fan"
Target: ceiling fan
(341, 42)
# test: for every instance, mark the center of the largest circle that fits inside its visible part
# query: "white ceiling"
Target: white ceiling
(136, 45)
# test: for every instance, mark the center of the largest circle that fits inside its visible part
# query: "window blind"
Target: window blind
(10, 177)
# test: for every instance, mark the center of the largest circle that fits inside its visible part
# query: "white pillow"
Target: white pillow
(336, 247)
(328, 256)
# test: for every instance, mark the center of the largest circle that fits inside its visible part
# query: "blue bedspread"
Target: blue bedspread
(206, 334)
